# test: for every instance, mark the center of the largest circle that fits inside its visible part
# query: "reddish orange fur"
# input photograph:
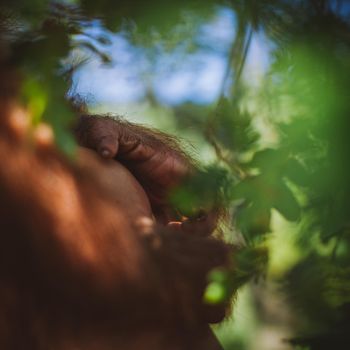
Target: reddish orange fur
(74, 272)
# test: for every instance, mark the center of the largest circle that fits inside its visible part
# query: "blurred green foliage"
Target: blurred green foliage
(304, 175)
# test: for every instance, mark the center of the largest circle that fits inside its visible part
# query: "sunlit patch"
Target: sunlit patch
(43, 134)
(66, 203)
(19, 120)
(145, 225)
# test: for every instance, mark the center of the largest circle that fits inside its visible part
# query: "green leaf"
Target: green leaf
(286, 203)
(215, 293)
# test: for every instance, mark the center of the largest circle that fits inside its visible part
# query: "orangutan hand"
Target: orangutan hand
(154, 158)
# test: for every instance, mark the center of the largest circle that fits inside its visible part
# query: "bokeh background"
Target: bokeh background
(258, 92)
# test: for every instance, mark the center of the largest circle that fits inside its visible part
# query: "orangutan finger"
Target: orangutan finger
(107, 146)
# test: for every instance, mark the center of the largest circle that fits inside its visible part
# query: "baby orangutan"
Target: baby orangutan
(89, 257)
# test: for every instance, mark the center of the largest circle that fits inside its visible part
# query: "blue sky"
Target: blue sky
(174, 77)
